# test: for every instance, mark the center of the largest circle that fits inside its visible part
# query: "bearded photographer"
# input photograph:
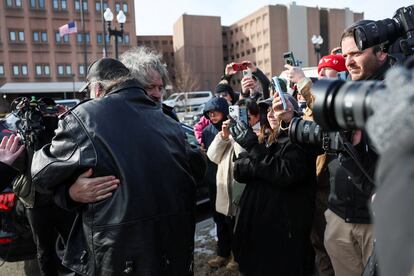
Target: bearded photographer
(349, 231)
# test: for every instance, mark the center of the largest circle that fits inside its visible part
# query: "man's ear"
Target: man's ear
(382, 56)
(99, 90)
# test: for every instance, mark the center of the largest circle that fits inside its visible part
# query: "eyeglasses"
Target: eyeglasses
(222, 94)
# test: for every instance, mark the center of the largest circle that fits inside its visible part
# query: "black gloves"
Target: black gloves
(243, 134)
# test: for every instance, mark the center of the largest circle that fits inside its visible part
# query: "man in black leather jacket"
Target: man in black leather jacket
(147, 226)
(349, 232)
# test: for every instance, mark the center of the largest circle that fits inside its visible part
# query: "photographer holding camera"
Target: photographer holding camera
(349, 232)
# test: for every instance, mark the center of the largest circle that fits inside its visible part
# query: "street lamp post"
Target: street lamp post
(121, 18)
(317, 41)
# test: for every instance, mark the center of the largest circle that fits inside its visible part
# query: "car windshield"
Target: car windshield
(172, 97)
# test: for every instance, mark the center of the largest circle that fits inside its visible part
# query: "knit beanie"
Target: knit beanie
(224, 86)
(336, 62)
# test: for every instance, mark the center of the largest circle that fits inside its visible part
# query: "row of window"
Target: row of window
(43, 70)
(41, 37)
(62, 5)
(262, 18)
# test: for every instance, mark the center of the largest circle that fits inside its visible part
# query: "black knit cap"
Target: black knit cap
(224, 87)
(105, 69)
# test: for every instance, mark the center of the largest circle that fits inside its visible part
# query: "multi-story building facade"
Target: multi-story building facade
(261, 37)
(32, 51)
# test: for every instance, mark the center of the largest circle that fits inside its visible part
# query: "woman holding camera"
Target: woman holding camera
(273, 229)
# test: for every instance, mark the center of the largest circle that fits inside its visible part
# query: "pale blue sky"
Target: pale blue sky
(157, 17)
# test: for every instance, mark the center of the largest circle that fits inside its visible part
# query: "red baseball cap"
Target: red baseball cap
(336, 62)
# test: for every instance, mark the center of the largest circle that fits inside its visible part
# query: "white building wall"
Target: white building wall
(298, 32)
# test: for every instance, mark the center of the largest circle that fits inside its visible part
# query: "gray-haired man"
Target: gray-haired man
(147, 226)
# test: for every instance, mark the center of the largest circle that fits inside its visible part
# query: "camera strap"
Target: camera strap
(349, 148)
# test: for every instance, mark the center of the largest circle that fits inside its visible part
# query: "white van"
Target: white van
(188, 98)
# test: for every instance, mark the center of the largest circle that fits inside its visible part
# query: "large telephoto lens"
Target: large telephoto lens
(305, 132)
(343, 105)
(375, 33)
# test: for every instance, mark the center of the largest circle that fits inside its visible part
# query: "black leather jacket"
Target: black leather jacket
(147, 226)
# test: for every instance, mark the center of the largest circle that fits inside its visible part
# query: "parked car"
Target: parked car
(190, 116)
(177, 100)
(16, 241)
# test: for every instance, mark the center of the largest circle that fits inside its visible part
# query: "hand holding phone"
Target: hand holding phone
(238, 113)
(279, 92)
(289, 59)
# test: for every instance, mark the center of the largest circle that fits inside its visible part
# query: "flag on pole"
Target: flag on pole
(69, 28)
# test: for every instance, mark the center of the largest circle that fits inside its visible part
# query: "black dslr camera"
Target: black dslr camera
(388, 31)
(37, 120)
(308, 132)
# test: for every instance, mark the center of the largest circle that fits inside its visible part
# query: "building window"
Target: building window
(46, 70)
(78, 7)
(15, 36)
(21, 36)
(24, 70)
(60, 70)
(59, 39)
(15, 70)
(97, 6)
(55, 4)
(126, 39)
(99, 38)
(125, 7)
(14, 3)
(81, 69)
(64, 5)
(36, 36)
(79, 38)
(44, 37)
(1, 70)
(68, 69)
(105, 5)
(37, 4)
(64, 70)
(38, 70)
(12, 35)
(117, 7)
(42, 70)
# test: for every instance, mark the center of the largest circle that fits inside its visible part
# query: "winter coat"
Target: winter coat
(209, 132)
(147, 226)
(350, 189)
(199, 127)
(273, 230)
(221, 152)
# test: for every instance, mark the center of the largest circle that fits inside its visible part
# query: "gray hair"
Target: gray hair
(142, 62)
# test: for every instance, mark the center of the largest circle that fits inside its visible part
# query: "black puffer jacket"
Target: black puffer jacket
(351, 190)
(272, 235)
(147, 226)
